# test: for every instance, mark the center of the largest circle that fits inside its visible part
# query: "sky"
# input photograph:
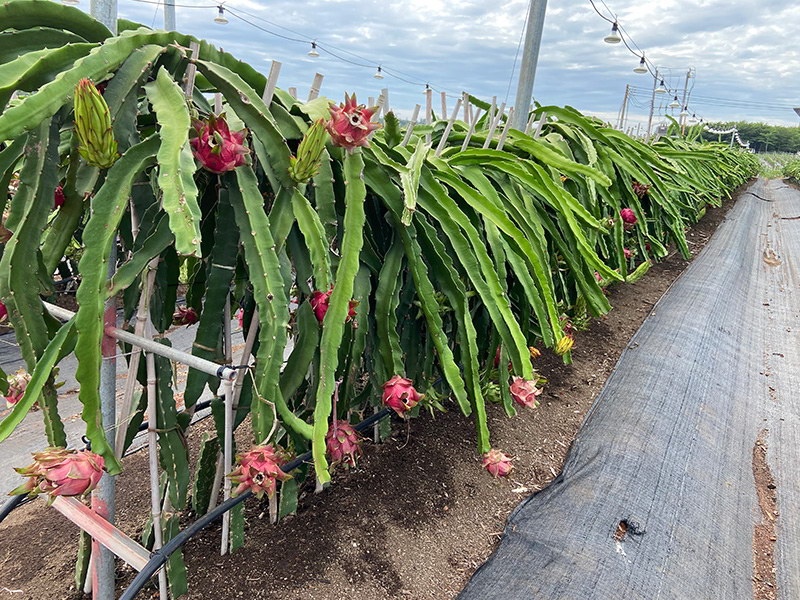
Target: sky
(744, 53)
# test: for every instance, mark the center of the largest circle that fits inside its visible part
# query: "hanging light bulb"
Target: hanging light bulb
(641, 67)
(378, 74)
(613, 37)
(674, 103)
(661, 89)
(684, 112)
(313, 52)
(693, 118)
(220, 18)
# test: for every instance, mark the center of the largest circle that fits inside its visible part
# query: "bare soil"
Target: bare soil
(766, 531)
(416, 518)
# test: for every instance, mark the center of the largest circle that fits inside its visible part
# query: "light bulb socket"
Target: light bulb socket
(378, 74)
(313, 52)
(613, 37)
(220, 18)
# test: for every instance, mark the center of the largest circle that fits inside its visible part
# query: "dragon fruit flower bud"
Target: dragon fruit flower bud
(497, 463)
(58, 197)
(350, 125)
(17, 384)
(399, 395)
(185, 315)
(258, 470)
(96, 142)
(306, 164)
(343, 443)
(628, 216)
(524, 392)
(61, 472)
(216, 147)
(535, 352)
(564, 345)
(320, 301)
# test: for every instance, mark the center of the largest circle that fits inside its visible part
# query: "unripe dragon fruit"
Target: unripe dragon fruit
(257, 470)
(96, 142)
(216, 147)
(185, 315)
(61, 472)
(524, 392)
(399, 395)
(640, 189)
(564, 345)
(306, 164)
(628, 216)
(17, 384)
(497, 463)
(58, 197)
(343, 443)
(350, 123)
(320, 301)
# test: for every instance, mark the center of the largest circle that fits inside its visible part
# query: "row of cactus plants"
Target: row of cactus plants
(378, 271)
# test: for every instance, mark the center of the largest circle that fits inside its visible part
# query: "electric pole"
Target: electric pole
(530, 56)
(622, 110)
(169, 16)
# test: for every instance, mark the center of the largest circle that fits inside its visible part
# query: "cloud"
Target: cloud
(742, 50)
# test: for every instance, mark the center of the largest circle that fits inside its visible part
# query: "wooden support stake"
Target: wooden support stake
(102, 531)
(493, 125)
(503, 135)
(447, 129)
(492, 111)
(272, 82)
(410, 128)
(385, 96)
(313, 93)
(191, 70)
(444, 104)
(218, 103)
(293, 92)
(542, 121)
(471, 129)
(428, 111)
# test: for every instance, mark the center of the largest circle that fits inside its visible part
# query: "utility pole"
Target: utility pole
(169, 16)
(683, 101)
(527, 69)
(652, 107)
(624, 106)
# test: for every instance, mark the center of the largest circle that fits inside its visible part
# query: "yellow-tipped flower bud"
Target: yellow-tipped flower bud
(96, 142)
(564, 345)
(306, 164)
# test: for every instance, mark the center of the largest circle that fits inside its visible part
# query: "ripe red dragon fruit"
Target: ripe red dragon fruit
(185, 315)
(524, 392)
(497, 463)
(399, 395)
(58, 197)
(627, 253)
(17, 384)
(343, 443)
(218, 149)
(3, 312)
(257, 470)
(321, 300)
(61, 472)
(628, 216)
(350, 125)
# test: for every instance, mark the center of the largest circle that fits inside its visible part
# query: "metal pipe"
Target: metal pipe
(152, 447)
(160, 557)
(530, 56)
(652, 107)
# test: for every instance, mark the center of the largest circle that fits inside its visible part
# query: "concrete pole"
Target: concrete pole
(169, 16)
(530, 56)
(683, 101)
(652, 107)
(622, 108)
(105, 11)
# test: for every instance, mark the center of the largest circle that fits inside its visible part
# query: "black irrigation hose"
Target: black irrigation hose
(10, 505)
(160, 557)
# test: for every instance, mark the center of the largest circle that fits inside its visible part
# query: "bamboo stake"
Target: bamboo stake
(410, 128)
(447, 129)
(272, 81)
(428, 111)
(227, 391)
(316, 84)
(471, 129)
(503, 135)
(493, 125)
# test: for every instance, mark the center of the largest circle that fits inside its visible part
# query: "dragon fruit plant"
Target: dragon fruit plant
(61, 472)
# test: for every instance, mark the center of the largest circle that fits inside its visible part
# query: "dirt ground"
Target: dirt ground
(415, 519)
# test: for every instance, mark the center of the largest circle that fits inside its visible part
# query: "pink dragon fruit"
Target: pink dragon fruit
(597, 277)
(350, 125)
(343, 443)
(3, 312)
(58, 197)
(321, 300)
(628, 216)
(497, 463)
(399, 395)
(217, 147)
(524, 392)
(257, 470)
(185, 315)
(61, 472)
(240, 316)
(17, 384)
(627, 253)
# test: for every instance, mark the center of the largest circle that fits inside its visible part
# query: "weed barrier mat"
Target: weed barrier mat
(683, 480)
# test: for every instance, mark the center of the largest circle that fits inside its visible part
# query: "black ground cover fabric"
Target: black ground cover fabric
(668, 445)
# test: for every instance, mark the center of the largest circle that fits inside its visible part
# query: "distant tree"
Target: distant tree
(762, 137)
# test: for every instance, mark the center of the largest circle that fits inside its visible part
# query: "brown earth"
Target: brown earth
(415, 519)
(766, 531)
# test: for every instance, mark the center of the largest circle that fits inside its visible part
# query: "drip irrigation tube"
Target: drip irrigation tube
(10, 505)
(160, 557)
